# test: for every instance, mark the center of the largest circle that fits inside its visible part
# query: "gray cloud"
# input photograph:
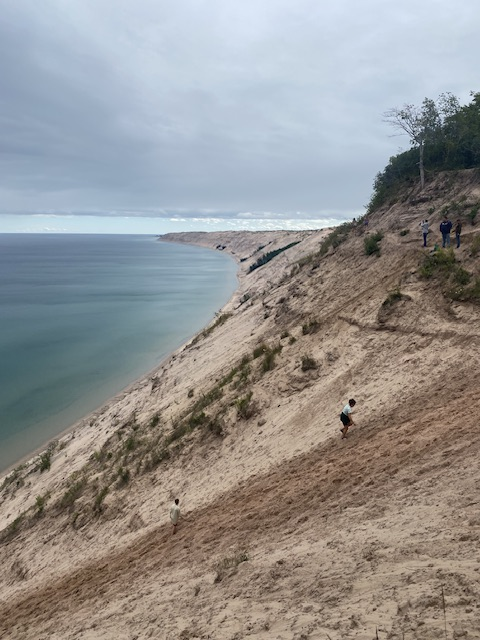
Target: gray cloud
(221, 107)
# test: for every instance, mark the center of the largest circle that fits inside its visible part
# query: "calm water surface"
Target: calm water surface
(83, 316)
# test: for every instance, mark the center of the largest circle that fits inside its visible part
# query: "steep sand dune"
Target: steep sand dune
(289, 531)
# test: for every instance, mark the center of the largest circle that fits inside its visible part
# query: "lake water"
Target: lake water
(83, 316)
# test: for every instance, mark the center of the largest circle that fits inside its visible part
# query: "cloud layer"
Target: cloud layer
(216, 108)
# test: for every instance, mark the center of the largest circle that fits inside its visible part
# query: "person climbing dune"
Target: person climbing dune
(346, 417)
(175, 514)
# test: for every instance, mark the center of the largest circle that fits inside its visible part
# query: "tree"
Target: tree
(423, 124)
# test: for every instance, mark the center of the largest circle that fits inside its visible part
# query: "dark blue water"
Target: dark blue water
(83, 316)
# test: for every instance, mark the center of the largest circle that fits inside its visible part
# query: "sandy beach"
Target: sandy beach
(288, 531)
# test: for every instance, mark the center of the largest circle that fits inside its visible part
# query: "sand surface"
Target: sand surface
(288, 532)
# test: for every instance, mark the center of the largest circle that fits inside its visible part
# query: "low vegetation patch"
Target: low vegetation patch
(308, 363)
(266, 257)
(229, 565)
(386, 309)
(259, 351)
(44, 461)
(336, 237)
(207, 399)
(40, 502)
(245, 407)
(154, 420)
(371, 244)
(13, 528)
(99, 499)
(311, 326)
(475, 248)
(470, 293)
(221, 319)
(75, 490)
(269, 354)
(393, 297)
(473, 213)
(458, 283)
(439, 263)
(123, 476)
(14, 479)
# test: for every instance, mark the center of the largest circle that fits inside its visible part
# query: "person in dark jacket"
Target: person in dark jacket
(458, 231)
(445, 228)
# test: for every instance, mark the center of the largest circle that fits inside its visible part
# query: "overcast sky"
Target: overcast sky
(213, 110)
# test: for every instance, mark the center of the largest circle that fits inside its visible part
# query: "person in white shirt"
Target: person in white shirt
(346, 417)
(175, 514)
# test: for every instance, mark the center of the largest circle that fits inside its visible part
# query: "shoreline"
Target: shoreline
(166, 389)
(136, 384)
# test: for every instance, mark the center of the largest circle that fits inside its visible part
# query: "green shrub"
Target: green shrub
(456, 280)
(215, 427)
(259, 351)
(73, 492)
(404, 232)
(40, 502)
(177, 433)
(221, 319)
(465, 293)
(243, 376)
(130, 443)
(308, 363)
(268, 362)
(393, 297)
(13, 528)
(312, 326)
(207, 399)
(45, 459)
(475, 248)
(123, 476)
(244, 406)
(303, 262)
(99, 498)
(371, 245)
(14, 477)
(439, 262)
(461, 276)
(336, 237)
(229, 377)
(472, 215)
(196, 420)
(154, 420)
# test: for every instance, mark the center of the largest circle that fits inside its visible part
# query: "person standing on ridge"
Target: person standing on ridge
(175, 514)
(458, 231)
(424, 225)
(445, 228)
(346, 417)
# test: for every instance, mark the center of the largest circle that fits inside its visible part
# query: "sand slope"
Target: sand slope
(289, 532)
